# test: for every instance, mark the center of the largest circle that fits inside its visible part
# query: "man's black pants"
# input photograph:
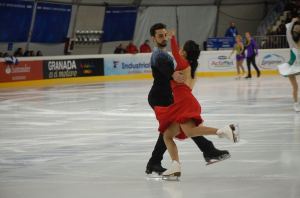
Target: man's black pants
(250, 60)
(161, 98)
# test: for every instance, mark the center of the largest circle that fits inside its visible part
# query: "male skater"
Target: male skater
(161, 95)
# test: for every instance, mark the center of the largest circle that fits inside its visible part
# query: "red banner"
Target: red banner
(23, 71)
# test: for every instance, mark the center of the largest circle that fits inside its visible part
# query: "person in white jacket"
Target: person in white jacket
(292, 68)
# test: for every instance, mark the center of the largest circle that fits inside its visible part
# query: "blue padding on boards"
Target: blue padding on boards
(15, 19)
(119, 23)
(51, 23)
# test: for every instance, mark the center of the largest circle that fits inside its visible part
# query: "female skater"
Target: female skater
(250, 45)
(182, 119)
(292, 68)
(240, 56)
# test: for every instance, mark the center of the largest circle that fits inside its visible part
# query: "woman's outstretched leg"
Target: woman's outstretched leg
(295, 91)
(191, 130)
(237, 67)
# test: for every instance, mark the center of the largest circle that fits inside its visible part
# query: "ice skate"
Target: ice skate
(245, 75)
(297, 107)
(173, 172)
(230, 132)
(215, 156)
(157, 168)
(238, 77)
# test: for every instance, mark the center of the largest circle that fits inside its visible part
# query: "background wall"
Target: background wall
(248, 12)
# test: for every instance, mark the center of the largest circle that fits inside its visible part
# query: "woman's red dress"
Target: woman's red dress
(185, 105)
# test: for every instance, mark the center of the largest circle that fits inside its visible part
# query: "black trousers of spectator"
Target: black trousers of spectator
(250, 60)
(160, 98)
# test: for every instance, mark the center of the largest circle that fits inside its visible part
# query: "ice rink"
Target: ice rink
(94, 140)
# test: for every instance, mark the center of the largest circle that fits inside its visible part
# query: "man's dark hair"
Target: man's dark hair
(157, 26)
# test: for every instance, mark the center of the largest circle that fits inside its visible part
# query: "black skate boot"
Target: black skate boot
(155, 168)
(215, 156)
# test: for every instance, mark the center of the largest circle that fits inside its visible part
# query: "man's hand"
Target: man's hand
(179, 77)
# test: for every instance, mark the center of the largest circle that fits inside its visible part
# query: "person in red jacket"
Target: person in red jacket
(131, 48)
(145, 48)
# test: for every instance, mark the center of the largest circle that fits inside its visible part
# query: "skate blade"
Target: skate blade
(167, 178)
(154, 176)
(222, 158)
(236, 132)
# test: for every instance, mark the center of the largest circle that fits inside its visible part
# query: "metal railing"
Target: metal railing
(271, 42)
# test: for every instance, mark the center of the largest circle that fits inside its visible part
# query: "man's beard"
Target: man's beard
(161, 44)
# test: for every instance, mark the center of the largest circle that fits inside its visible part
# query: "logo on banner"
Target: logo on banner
(220, 63)
(12, 69)
(116, 64)
(271, 61)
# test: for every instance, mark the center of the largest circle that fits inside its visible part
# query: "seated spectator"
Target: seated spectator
(18, 52)
(280, 32)
(270, 33)
(131, 48)
(39, 53)
(294, 13)
(289, 6)
(6, 54)
(282, 27)
(145, 48)
(1, 54)
(26, 54)
(32, 53)
(120, 50)
(288, 18)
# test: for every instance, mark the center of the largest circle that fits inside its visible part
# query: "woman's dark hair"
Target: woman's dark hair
(193, 52)
(5, 54)
(37, 53)
(296, 37)
(157, 26)
(27, 53)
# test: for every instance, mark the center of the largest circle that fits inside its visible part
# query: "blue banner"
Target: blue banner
(51, 23)
(15, 19)
(119, 23)
(223, 43)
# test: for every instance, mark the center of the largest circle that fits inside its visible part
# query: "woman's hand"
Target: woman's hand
(295, 19)
(229, 56)
(171, 33)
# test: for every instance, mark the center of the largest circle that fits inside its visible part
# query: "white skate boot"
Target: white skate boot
(230, 132)
(238, 77)
(297, 107)
(173, 172)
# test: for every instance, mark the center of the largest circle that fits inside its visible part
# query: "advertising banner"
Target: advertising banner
(69, 68)
(222, 43)
(23, 71)
(127, 64)
(218, 62)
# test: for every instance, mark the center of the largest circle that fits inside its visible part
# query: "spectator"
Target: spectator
(39, 53)
(18, 52)
(280, 31)
(294, 13)
(270, 33)
(145, 48)
(6, 54)
(32, 53)
(120, 50)
(288, 18)
(131, 48)
(282, 27)
(1, 54)
(297, 4)
(232, 31)
(26, 54)
(289, 6)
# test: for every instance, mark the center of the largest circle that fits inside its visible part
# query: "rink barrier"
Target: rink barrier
(96, 68)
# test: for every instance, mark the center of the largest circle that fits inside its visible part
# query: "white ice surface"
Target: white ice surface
(94, 140)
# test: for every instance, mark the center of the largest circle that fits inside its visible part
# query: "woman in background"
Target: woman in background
(240, 56)
(26, 54)
(39, 53)
(1, 54)
(250, 45)
(32, 53)
(292, 68)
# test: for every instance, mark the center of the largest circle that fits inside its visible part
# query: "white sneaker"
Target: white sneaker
(297, 107)
(229, 133)
(174, 170)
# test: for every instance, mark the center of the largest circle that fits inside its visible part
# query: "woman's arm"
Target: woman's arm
(289, 37)
(232, 50)
(241, 54)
